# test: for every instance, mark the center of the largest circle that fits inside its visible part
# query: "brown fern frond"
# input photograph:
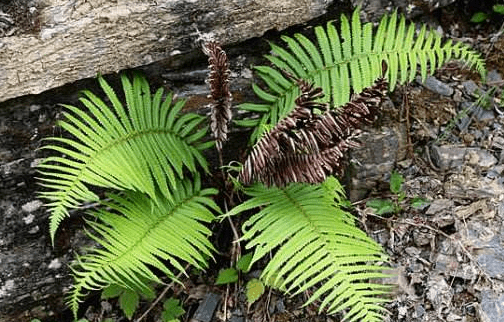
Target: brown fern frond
(218, 80)
(306, 146)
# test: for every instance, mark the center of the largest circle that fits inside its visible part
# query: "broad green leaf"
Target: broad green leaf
(255, 288)
(396, 181)
(227, 276)
(381, 206)
(111, 291)
(243, 264)
(172, 309)
(128, 301)
(479, 17)
(498, 8)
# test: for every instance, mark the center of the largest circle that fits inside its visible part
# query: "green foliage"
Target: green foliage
(348, 60)
(230, 275)
(316, 243)
(172, 309)
(134, 242)
(150, 155)
(144, 147)
(227, 276)
(481, 16)
(254, 290)
(393, 205)
(128, 298)
(396, 181)
(243, 264)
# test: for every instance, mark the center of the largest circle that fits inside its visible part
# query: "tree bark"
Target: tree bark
(81, 38)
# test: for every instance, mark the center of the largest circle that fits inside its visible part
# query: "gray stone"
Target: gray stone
(449, 157)
(470, 87)
(372, 162)
(491, 256)
(491, 308)
(206, 309)
(78, 39)
(440, 206)
(493, 76)
(435, 85)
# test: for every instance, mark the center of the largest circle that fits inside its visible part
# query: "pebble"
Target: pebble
(437, 86)
(491, 307)
(493, 76)
(448, 157)
(470, 87)
(440, 206)
(54, 264)
(32, 206)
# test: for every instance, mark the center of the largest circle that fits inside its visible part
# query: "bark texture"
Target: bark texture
(80, 38)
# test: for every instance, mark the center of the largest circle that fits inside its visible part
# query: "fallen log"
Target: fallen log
(72, 40)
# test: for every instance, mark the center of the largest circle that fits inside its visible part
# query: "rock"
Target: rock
(477, 209)
(422, 238)
(470, 87)
(492, 306)
(438, 291)
(423, 186)
(374, 9)
(493, 76)
(440, 206)
(450, 266)
(491, 256)
(372, 162)
(206, 309)
(435, 85)
(448, 157)
(473, 187)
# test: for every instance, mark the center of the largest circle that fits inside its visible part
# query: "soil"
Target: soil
(446, 256)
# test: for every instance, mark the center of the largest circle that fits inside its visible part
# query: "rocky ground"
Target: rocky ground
(448, 256)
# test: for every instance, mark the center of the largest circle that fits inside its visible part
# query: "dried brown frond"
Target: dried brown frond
(306, 146)
(218, 80)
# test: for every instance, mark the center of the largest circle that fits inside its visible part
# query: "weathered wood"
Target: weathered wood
(81, 38)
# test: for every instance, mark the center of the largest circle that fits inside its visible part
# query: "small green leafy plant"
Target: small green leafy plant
(230, 275)
(254, 287)
(172, 310)
(394, 204)
(128, 298)
(481, 16)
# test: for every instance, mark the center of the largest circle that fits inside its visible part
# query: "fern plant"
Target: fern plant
(345, 62)
(150, 155)
(144, 147)
(317, 244)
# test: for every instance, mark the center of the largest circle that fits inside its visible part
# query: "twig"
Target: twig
(163, 293)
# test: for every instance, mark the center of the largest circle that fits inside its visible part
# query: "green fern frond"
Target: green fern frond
(133, 241)
(143, 147)
(348, 60)
(318, 245)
